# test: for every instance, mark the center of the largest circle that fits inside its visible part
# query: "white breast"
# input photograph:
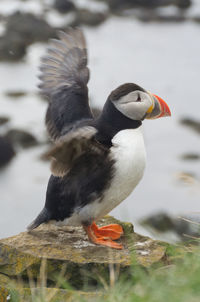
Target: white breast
(130, 158)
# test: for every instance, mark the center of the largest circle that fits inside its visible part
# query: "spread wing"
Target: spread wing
(76, 144)
(64, 77)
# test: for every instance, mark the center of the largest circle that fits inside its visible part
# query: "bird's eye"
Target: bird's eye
(138, 98)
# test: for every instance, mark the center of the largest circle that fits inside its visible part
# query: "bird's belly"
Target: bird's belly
(129, 154)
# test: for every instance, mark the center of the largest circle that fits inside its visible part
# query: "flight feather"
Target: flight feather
(64, 77)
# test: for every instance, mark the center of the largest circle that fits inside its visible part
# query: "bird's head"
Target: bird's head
(136, 103)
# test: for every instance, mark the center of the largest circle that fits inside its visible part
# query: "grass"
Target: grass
(178, 281)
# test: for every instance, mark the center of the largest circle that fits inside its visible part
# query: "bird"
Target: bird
(96, 162)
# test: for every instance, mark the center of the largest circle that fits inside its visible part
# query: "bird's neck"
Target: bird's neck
(110, 122)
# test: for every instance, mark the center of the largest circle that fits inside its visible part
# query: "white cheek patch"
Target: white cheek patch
(132, 109)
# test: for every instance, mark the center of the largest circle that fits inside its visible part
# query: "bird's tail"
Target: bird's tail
(42, 217)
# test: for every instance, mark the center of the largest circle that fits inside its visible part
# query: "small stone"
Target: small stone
(12, 47)
(21, 138)
(87, 17)
(188, 178)
(184, 4)
(64, 6)
(191, 123)
(118, 5)
(161, 222)
(196, 19)
(6, 151)
(190, 156)
(161, 18)
(15, 94)
(4, 120)
(184, 227)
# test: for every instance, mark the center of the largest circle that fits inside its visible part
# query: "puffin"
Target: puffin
(96, 162)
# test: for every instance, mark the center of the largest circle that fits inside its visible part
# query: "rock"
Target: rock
(183, 4)
(22, 29)
(47, 294)
(196, 19)
(163, 223)
(187, 178)
(64, 6)
(190, 156)
(4, 293)
(15, 94)
(87, 17)
(4, 120)
(191, 123)
(30, 27)
(117, 5)
(12, 47)
(21, 138)
(66, 252)
(6, 151)
(4, 280)
(145, 16)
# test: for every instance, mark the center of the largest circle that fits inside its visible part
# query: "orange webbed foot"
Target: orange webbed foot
(112, 231)
(104, 236)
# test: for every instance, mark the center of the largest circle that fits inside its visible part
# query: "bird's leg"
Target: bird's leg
(112, 231)
(95, 238)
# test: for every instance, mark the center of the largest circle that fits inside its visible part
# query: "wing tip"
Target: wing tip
(65, 62)
(41, 218)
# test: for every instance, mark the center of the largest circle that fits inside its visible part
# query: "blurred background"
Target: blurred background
(154, 43)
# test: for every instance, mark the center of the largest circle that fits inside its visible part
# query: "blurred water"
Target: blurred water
(164, 59)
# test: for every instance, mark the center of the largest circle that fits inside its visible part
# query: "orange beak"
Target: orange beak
(158, 109)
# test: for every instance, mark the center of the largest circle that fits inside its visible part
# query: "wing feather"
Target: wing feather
(70, 147)
(64, 77)
(67, 56)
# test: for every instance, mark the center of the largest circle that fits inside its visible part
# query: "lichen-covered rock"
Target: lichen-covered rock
(48, 294)
(4, 280)
(67, 252)
(4, 293)
(13, 262)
